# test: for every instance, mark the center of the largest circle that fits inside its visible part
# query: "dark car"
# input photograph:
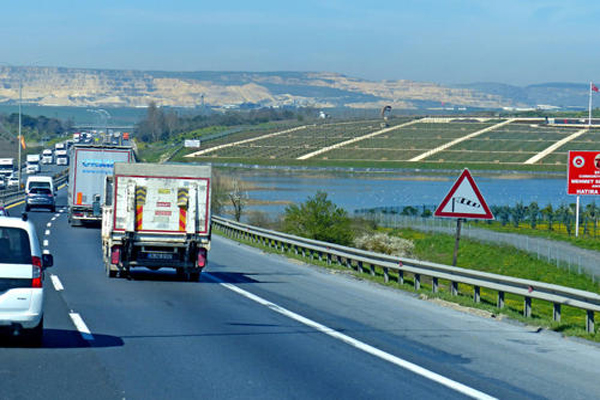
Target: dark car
(40, 197)
(4, 212)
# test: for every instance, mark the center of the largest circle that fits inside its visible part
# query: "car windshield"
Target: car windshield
(14, 246)
(36, 185)
(39, 190)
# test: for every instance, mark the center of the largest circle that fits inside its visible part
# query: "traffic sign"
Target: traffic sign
(464, 200)
(583, 173)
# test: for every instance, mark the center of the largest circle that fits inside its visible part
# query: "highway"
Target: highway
(260, 326)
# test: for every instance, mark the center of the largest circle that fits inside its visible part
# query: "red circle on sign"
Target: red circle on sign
(578, 161)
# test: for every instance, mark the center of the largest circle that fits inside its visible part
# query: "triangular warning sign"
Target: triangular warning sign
(464, 200)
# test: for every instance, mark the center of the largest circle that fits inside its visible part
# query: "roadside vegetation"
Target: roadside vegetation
(318, 217)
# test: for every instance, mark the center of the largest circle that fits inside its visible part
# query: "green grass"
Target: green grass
(496, 259)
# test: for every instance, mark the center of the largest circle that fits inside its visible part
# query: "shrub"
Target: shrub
(385, 244)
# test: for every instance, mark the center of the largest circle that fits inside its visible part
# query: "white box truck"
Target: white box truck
(33, 164)
(90, 164)
(47, 156)
(157, 216)
(7, 167)
(62, 158)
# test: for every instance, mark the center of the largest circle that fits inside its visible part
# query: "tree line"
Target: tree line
(164, 123)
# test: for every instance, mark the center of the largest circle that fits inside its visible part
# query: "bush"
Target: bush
(385, 244)
(318, 218)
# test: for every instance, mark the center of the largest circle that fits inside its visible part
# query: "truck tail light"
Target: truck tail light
(201, 258)
(115, 254)
(36, 270)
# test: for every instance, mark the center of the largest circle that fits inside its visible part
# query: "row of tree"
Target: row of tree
(548, 217)
(163, 123)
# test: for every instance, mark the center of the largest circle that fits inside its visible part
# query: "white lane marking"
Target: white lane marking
(46, 243)
(49, 224)
(53, 219)
(81, 326)
(47, 232)
(46, 251)
(57, 215)
(57, 284)
(457, 386)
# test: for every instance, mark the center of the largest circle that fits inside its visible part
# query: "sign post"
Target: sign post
(463, 201)
(583, 177)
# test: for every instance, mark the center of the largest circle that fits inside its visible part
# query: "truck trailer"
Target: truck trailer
(90, 164)
(157, 216)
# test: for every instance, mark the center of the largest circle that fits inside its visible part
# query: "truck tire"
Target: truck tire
(109, 272)
(194, 276)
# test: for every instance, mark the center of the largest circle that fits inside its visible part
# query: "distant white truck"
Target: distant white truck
(157, 216)
(7, 167)
(62, 157)
(33, 164)
(47, 156)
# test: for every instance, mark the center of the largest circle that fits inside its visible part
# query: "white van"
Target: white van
(40, 181)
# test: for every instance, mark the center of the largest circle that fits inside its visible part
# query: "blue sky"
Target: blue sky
(517, 42)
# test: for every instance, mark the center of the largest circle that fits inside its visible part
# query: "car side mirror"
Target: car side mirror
(47, 260)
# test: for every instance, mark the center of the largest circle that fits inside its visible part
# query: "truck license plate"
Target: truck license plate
(159, 256)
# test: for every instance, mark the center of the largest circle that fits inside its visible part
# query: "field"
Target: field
(485, 143)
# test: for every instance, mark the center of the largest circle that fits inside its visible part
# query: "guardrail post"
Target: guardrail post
(296, 249)
(454, 288)
(434, 285)
(372, 268)
(386, 275)
(417, 281)
(476, 294)
(556, 312)
(401, 277)
(328, 258)
(359, 266)
(527, 307)
(500, 300)
(589, 322)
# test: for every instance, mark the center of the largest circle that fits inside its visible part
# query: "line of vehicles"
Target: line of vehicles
(152, 216)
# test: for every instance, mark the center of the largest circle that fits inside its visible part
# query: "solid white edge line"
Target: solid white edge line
(457, 386)
(56, 282)
(81, 326)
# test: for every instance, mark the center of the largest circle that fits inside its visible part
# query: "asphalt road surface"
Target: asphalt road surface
(260, 326)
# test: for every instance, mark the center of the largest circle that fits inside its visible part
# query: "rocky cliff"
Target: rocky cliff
(128, 88)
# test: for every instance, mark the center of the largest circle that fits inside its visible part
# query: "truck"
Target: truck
(62, 158)
(33, 164)
(157, 216)
(90, 164)
(7, 167)
(47, 156)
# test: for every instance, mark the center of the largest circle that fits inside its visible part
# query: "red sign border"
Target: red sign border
(465, 175)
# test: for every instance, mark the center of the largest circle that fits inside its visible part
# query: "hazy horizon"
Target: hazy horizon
(462, 42)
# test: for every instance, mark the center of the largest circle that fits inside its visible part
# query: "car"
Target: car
(22, 266)
(12, 182)
(2, 183)
(4, 212)
(40, 197)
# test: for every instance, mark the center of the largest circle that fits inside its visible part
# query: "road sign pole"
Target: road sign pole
(458, 226)
(577, 218)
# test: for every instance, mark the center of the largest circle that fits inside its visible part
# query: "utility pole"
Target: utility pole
(20, 138)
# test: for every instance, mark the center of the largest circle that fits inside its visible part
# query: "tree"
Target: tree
(533, 212)
(238, 199)
(548, 213)
(318, 218)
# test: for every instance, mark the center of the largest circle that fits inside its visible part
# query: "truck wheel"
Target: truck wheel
(109, 272)
(194, 276)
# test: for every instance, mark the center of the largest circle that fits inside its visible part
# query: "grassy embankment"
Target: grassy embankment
(496, 259)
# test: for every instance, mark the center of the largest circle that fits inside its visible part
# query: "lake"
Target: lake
(402, 189)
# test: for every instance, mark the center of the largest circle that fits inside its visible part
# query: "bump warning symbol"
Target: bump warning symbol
(464, 200)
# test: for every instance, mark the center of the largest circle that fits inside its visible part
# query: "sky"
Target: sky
(517, 42)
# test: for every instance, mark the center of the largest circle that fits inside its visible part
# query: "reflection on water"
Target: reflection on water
(359, 192)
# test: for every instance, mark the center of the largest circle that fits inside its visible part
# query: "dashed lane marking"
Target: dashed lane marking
(57, 284)
(81, 326)
(45, 243)
(47, 232)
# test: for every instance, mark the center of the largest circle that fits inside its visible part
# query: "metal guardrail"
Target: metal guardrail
(11, 196)
(358, 259)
